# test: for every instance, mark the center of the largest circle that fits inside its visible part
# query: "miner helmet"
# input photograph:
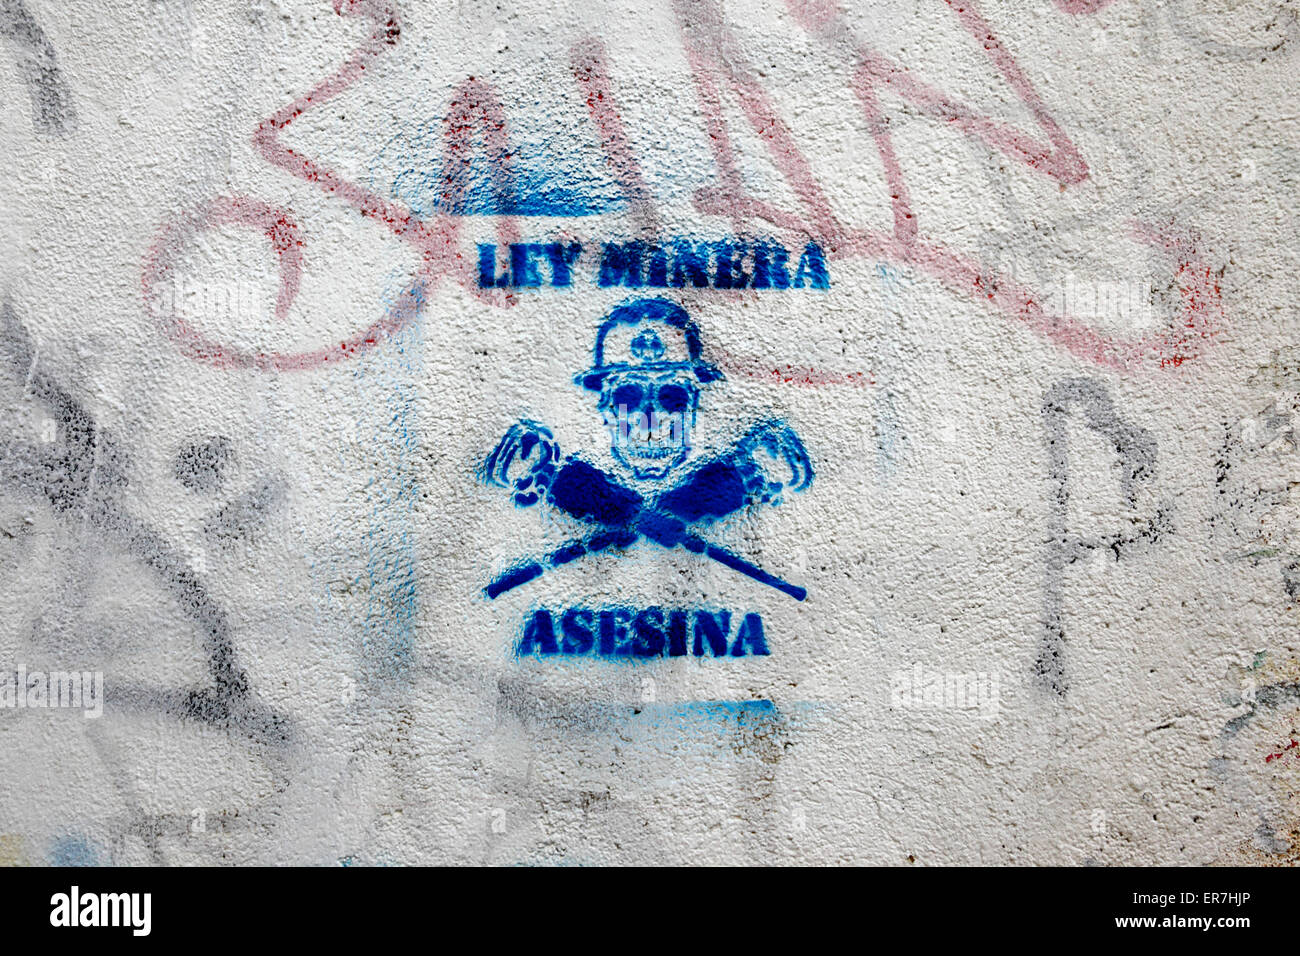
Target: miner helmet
(650, 335)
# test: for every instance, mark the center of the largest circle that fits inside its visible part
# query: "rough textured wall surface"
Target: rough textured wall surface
(682, 431)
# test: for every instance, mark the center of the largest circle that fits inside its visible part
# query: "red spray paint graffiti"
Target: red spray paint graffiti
(717, 61)
(719, 66)
(1078, 7)
(287, 243)
(1279, 754)
(591, 69)
(475, 107)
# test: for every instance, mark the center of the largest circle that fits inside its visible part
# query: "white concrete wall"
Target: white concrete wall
(249, 383)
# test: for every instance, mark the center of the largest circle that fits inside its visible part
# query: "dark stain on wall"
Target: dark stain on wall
(52, 110)
(83, 475)
(1137, 452)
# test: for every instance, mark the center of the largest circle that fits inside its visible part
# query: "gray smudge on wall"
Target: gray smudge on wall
(34, 54)
(1137, 453)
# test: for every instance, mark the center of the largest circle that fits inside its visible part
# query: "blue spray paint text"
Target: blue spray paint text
(626, 632)
(678, 263)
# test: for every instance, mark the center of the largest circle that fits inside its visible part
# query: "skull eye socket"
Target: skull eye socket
(628, 395)
(674, 398)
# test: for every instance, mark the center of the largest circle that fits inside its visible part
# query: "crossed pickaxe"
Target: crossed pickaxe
(709, 492)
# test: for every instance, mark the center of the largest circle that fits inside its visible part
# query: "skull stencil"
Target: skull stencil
(648, 372)
(649, 418)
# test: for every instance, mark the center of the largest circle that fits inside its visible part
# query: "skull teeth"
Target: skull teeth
(652, 451)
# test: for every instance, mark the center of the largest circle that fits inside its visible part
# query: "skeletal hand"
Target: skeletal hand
(524, 461)
(775, 460)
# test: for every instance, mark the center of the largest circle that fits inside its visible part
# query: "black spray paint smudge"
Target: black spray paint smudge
(1137, 452)
(82, 475)
(52, 110)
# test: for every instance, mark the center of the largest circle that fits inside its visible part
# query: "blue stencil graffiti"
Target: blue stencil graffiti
(648, 372)
(726, 264)
(678, 263)
(386, 383)
(642, 632)
(431, 177)
(393, 601)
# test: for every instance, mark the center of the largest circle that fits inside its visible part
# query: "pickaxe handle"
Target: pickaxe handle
(710, 492)
(670, 532)
(523, 573)
(620, 538)
(737, 563)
